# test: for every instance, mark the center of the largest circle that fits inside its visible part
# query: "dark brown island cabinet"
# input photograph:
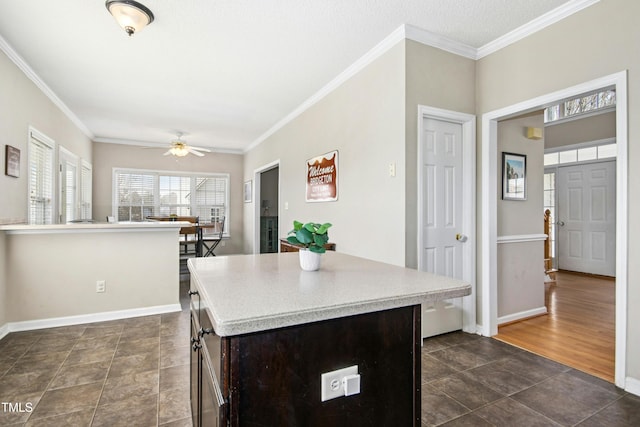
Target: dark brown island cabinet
(263, 365)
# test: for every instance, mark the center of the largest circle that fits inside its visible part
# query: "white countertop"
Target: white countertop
(250, 293)
(91, 227)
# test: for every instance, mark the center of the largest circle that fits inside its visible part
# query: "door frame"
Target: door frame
(257, 178)
(468, 122)
(489, 196)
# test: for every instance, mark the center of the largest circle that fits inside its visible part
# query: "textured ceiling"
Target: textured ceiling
(223, 72)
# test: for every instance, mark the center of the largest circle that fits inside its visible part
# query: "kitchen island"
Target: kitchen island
(264, 331)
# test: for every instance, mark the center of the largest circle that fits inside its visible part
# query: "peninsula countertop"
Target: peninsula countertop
(252, 293)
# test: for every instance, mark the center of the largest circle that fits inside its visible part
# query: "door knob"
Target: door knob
(461, 237)
(560, 223)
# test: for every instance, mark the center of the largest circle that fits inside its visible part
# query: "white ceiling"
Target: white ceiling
(225, 72)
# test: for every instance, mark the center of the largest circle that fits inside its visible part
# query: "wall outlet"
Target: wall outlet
(333, 384)
(101, 286)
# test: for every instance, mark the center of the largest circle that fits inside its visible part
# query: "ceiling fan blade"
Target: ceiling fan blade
(206, 150)
(167, 153)
(192, 151)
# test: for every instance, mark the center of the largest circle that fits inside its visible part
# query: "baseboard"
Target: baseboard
(522, 315)
(4, 330)
(632, 386)
(55, 322)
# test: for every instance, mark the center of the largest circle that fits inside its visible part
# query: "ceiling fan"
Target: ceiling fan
(180, 148)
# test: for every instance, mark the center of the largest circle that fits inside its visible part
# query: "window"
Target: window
(549, 189)
(40, 178)
(582, 105)
(581, 154)
(85, 190)
(139, 194)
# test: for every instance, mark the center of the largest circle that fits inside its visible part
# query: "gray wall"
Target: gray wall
(22, 104)
(593, 128)
(521, 264)
(522, 217)
(575, 50)
(364, 120)
(109, 156)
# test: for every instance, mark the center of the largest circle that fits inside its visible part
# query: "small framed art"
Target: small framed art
(514, 176)
(12, 161)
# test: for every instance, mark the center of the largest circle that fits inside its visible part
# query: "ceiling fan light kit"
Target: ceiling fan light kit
(130, 15)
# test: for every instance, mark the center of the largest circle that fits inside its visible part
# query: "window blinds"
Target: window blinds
(40, 181)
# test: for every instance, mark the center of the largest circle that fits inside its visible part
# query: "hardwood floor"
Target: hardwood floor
(578, 331)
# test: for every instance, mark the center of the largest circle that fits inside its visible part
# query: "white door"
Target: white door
(586, 222)
(68, 186)
(441, 211)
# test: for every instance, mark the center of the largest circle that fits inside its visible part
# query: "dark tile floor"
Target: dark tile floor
(132, 372)
(470, 380)
(135, 372)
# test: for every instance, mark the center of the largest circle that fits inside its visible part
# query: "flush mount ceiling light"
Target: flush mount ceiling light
(130, 15)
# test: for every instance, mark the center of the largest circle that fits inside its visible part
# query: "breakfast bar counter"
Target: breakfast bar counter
(264, 331)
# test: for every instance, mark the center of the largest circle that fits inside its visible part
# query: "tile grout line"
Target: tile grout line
(52, 378)
(104, 382)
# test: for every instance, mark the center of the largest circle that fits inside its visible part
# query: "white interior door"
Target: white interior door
(441, 211)
(68, 183)
(586, 222)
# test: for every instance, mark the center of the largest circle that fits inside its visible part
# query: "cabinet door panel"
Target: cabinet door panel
(213, 404)
(195, 376)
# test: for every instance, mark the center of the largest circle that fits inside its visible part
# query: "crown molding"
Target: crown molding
(149, 144)
(46, 90)
(534, 26)
(438, 41)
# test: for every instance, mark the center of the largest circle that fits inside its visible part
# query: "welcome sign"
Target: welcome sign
(322, 178)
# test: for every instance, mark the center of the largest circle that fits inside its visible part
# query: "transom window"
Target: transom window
(582, 105)
(139, 194)
(580, 154)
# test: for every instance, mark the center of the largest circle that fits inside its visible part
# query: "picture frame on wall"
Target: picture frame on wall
(248, 191)
(12, 161)
(514, 176)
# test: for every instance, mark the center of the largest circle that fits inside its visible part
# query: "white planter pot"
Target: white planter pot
(309, 261)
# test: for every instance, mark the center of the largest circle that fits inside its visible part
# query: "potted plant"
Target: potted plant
(311, 237)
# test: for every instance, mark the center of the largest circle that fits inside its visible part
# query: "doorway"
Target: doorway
(446, 188)
(266, 208)
(618, 82)
(68, 186)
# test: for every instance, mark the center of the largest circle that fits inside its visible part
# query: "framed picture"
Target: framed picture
(12, 161)
(322, 178)
(247, 191)
(514, 176)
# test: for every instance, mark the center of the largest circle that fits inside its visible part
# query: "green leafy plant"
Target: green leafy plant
(310, 235)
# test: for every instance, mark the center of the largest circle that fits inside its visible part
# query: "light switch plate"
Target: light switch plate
(331, 382)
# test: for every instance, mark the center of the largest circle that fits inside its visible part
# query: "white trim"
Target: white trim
(468, 122)
(55, 322)
(117, 227)
(522, 315)
(4, 330)
(633, 386)
(387, 43)
(534, 26)
(521, 238)
(46, 90)
(489, 206)
(257, 176)
(439, 41)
